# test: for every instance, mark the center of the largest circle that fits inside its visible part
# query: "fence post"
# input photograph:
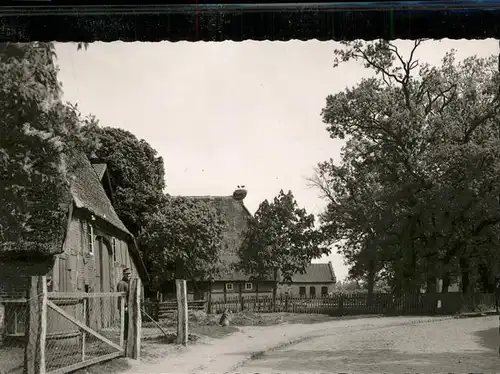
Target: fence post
(134, 320)
(341, 304)
(157, 311)
(122, 322)
(83, 336)
(182, 312)
(209, 303)
(36, 326)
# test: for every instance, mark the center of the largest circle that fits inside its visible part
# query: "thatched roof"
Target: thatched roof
(235, 217)
(100, 169)
(85, 192)
(88, 193)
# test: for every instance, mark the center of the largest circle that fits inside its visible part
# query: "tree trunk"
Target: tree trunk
(465, 272)
(275, 289)
(196, 290)
(371, 281)
(257, 303)
(486, 279)
(431, 284)
(179, 269)
(446, 282)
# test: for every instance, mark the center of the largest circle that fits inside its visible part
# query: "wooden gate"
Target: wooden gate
(69, 312)
(59, 336)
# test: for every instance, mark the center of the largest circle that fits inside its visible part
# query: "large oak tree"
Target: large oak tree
(415, 197)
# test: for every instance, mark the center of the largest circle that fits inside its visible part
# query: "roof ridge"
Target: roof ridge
(330, 265)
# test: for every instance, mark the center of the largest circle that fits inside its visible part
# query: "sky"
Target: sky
(223, 114)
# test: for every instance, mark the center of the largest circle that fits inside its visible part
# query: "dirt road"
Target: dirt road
(399, 344)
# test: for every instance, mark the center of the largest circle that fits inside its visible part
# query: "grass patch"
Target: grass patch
(245, 318)
(248, 318)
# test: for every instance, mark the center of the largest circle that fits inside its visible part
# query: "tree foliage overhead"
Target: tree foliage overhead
(38, 132)
(183, 239)
(136, 171)
(281, 239)
(416, 196)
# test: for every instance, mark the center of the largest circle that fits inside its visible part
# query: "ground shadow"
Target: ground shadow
(489, 339)
(375, 360)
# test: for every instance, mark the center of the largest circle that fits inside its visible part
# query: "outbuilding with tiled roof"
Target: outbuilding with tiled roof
(318, 280)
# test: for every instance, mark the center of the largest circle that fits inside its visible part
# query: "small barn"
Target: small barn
(89, 258)
(318, 280)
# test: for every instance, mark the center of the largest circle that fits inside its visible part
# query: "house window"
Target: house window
(302, 291)
(229, 286)
(90, 231)
(312, 291)
(324, 291)
(248, 286)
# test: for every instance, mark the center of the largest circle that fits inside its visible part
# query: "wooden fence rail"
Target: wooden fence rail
(339, 304)
(160, 310)
(58, 327)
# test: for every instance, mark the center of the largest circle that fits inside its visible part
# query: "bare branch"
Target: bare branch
(318, 182)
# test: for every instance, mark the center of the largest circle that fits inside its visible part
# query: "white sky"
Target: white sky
(224, 114)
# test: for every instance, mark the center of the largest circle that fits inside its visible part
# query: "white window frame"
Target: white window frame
(91, 239)
(229, 287)
(248, 284)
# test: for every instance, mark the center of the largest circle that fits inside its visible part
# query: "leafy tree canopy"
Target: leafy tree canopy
(416, 192)
(281, 239)
(37, 134)
(137, 174)
(183, 238)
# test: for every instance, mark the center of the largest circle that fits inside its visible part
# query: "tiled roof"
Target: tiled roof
(235, 216)
(316, 273)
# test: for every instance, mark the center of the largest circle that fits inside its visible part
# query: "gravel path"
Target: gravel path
(452, 346)
(398, 344)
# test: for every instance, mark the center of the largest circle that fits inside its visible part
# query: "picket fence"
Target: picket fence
(357, 303)
(341, 304)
